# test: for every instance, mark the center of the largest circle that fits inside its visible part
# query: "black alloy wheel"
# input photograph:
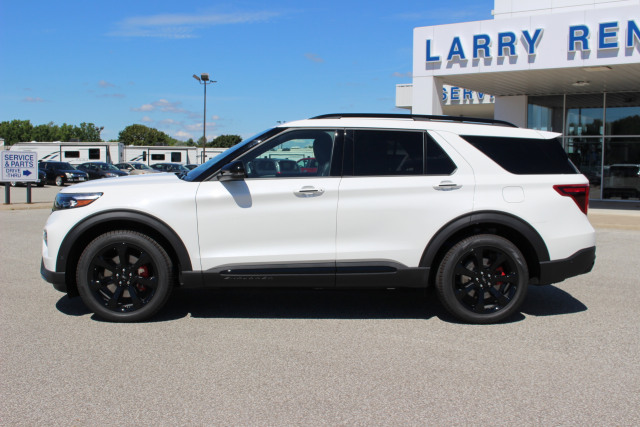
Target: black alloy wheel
(482, 279)
(124, 276)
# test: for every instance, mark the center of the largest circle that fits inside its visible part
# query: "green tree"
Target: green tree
(48, 132)
(225, 141)
(65, 133)
(143, 135)
(88, 132)
(16, 131)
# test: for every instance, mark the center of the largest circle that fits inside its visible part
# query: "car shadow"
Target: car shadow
(550, 301)
(299, 304)
(329, 304)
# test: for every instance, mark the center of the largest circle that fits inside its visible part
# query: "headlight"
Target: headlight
(110, 175)
(74, 200)
(68, 175)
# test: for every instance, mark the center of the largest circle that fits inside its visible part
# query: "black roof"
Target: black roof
(417, 117)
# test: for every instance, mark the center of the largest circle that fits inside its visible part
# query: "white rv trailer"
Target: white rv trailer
(74, 152)
(160, 154)
(210, 153)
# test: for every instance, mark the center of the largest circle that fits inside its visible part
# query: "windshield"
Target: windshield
(140, 166)
(201, 171)
(63, 165)
(103, 166)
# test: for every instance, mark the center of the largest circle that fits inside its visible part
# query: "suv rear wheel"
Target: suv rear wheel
(482, 279)
(124, 276)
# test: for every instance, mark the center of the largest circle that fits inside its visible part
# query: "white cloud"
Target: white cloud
(104, 83)
(147, 119)
(182, 135)
(112, 95)
(145, 107)
(183, 25)
(313, 58)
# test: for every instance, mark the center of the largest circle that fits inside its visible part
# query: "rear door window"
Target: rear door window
(387, 152)
(524, 156)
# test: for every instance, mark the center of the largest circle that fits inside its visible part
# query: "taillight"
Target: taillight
(578, 192)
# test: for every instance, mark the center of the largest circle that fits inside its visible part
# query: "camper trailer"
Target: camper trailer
(151, 155)
(210, 153)
(74, 152)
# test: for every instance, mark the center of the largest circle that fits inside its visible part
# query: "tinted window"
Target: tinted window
(524, 156)
(94, 153)
(382, 153)
(438, 162)
(176, 157)
(157, 157)
(72, 154)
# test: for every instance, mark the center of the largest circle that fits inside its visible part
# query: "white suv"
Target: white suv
(479, 209)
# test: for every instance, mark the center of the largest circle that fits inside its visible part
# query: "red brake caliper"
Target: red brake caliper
(143, 271)
(502, 273)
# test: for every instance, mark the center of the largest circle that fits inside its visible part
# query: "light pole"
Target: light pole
(204, 80)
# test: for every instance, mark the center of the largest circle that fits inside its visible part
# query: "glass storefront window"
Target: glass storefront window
(586, 154)
(545, 113)
(603, 141)
(621, 169)
(623, 114)
(585, 115)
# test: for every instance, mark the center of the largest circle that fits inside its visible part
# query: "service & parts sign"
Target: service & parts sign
(19, 166)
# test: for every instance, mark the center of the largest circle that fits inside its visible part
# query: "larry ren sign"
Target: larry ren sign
(582, 38)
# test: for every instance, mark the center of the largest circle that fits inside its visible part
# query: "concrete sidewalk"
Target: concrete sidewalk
(42, 198)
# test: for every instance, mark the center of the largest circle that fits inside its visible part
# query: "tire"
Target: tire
(59, 181)
(124, 276)
(482, 279)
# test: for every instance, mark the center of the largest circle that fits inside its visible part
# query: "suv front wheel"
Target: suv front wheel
(482, 279)
(124, 276)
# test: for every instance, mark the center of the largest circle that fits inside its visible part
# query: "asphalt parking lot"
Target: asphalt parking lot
(271, 357)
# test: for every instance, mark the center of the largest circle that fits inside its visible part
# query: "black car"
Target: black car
(42, 177)
(61, 173)
(97, 170)
(176, 168)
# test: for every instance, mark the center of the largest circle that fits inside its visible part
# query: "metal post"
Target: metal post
(28, 193)
(203, 79)
(7, 193)
(204, 134)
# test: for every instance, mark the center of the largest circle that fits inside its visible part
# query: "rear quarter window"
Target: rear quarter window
(524, 156)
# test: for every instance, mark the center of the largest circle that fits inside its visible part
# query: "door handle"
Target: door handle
(309, 191)
(447, 186)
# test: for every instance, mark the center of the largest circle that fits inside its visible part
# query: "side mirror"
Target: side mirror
(233, 171)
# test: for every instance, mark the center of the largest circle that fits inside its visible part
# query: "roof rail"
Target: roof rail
(417, 117)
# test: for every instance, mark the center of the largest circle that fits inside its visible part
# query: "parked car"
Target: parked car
(135, 168)
(477, 209)
(42, 178)
(622, 180)
(308, 165)
(61, 173)
(176, 168)
(98, 170)
(269, 167)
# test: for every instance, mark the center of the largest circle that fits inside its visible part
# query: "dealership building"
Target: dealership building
(567, 66)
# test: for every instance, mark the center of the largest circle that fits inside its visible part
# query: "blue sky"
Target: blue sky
(117, 63)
